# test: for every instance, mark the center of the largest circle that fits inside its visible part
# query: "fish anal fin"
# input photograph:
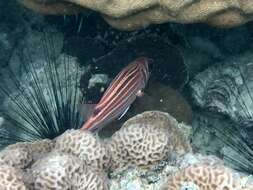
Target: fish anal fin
(124, 113)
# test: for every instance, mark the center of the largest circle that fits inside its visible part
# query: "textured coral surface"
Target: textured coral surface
(146, 139)
(205, 177)
(85, 146)
(11, 178)
(63, 171)
(17, 155)
(129, 15)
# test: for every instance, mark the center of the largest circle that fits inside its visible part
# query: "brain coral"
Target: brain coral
(20, 155)
(11, 178)
(204, 177)
(41, 147)
(133, 14)
(85, 146)
(63, 171)
(146, 139)
(17, 155)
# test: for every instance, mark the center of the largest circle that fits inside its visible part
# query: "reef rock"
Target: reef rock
(148, 138)
(156, 178)
(203, 176)
(130, 15)
(225, 88)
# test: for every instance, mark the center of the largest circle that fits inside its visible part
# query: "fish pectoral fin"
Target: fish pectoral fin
(140, 93)
(125, 111)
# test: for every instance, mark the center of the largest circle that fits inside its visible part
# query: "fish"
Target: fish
(121, 93)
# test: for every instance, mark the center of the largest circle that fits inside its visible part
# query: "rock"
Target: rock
(16, 23)
(131, 179)
(168, 65)
(154, 179)
(190, 159)
(223, 95)
(201, 177)
(138, 14)
(8, 40)
(226, 88)
(33, 49)
(98, 79)
(163, 98)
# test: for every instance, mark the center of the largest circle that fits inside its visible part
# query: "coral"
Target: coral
(11, 178)
(85, 146)
(63, 171)
(147, 139)
(92, 180)
(17, 155)
(129, 15)
(204, 177)
(20, 155)
(39, 148)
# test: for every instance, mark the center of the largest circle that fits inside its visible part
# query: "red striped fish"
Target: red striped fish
(121, 93)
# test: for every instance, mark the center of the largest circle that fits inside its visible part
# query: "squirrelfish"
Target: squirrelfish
(120, 94)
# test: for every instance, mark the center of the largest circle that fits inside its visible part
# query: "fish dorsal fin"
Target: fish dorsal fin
(124, 113)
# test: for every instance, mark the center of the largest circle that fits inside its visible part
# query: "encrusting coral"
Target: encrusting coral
(204, 177)
(129, 15)
(85, 146)
(146, 139)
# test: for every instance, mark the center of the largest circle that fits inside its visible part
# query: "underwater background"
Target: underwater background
(191, 128)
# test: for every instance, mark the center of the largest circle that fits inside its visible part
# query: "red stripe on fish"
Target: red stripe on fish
(120, 94)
